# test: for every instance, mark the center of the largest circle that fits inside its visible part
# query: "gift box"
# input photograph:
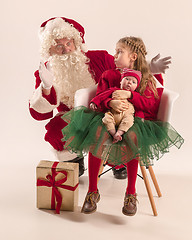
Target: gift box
(57, 185)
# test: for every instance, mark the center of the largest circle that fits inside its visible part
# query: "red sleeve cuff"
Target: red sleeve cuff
(106, 103)
(159, 78)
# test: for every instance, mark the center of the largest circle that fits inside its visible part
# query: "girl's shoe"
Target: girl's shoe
(130, 206)
(90, 203)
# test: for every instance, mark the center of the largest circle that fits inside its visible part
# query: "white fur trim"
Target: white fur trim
(158, 84)
(64, 155)
(41, 30)
(84, 47)
(40, 104)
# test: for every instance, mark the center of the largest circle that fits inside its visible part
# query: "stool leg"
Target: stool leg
(154, 181)
(147, 185)
(103, 162)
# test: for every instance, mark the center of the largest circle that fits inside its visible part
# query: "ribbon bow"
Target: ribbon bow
(50, 182)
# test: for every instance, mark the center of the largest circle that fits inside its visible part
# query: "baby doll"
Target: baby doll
(130, 80)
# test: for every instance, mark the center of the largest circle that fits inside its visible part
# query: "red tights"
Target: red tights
(94, 166)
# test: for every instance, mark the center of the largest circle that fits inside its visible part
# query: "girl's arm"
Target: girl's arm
(143, 102)
(103, 97)
(109, 79)
(148, 104)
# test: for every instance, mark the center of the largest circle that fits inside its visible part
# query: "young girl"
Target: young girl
(142, 136)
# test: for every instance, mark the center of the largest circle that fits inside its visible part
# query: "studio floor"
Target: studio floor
(20, 219)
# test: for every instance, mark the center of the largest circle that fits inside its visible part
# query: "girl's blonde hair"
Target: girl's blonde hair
(137, 45)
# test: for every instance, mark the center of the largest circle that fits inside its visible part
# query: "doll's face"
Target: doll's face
(123, 57)
(63, 46)
(129, 83)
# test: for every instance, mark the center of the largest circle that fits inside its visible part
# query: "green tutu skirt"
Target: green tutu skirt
(145, 140)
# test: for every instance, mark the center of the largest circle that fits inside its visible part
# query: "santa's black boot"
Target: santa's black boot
(79, 160)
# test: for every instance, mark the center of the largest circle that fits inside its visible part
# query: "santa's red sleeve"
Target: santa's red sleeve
(159, 78)
(99, 62)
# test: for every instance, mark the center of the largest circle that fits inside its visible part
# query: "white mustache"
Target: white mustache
(72, 58)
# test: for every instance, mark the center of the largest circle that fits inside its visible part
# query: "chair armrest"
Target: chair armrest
(83, 96)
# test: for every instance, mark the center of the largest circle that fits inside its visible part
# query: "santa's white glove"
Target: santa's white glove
(159, 65)
(46, 75)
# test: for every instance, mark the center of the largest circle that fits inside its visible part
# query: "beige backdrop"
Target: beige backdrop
(165, 27)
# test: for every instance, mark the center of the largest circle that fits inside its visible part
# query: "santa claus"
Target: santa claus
(68, 67)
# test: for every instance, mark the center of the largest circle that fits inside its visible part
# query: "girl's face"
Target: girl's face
(124, 58)
(129, 83)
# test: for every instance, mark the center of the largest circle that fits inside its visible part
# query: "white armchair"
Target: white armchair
(83, 97)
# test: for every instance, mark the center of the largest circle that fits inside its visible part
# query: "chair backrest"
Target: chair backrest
(83, 97)
(166, 105)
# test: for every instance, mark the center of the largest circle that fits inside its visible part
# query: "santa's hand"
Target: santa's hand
(121, 94)
(159, 65)
(45, 75)
(93, 106)
(119, 105)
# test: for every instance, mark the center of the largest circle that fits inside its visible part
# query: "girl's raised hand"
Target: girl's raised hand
(159, 65)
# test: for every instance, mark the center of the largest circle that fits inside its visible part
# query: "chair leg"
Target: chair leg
(147, 185)
(101, 169)
(154, 181)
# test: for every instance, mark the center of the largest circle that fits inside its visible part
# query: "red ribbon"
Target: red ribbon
(50, 182)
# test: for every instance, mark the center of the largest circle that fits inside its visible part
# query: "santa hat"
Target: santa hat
(60, 27)
(130, 72)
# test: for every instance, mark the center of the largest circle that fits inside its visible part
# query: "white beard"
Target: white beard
(70, 73)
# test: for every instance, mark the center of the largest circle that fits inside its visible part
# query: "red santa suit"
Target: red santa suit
(41, 106)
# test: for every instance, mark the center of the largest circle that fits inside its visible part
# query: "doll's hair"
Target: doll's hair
(137, 45)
